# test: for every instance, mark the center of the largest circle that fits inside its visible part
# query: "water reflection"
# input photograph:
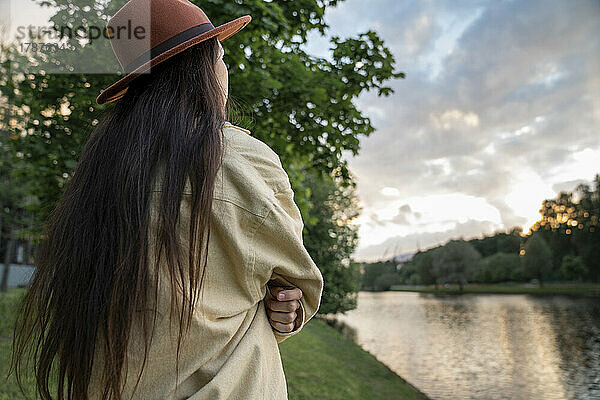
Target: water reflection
(485, 346)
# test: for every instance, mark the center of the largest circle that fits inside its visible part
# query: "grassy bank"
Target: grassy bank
(549, 289)
(9, 389)
(319, 364)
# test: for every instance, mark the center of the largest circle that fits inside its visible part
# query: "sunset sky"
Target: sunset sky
(500, 109)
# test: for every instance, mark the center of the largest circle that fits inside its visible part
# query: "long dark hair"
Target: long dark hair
(92, 268)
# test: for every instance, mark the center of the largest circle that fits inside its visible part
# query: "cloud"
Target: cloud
(405, 216)
(501, 102)
(405, 209)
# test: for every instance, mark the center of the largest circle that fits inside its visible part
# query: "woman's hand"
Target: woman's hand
(282, 306)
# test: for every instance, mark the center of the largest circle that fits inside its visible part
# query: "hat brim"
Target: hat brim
(222, 32)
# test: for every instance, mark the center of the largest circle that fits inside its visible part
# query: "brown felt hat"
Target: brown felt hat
(174, 26)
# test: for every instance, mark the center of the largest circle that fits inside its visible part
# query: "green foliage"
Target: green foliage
(455, 261)
(499, 267)
(550, 288)
(372, 271)
(537, 260)
(300, 105)
(519, 273)
(385, 281)
(500, 242)
(406, 270)
(424, 267)
(418, 270)
(572, 268)
(332, 239)
(414, 279)
(570, 225)
(12, 192)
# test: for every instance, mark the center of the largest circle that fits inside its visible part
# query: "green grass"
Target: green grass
(319, 363)
(551, 288)
(9, 389)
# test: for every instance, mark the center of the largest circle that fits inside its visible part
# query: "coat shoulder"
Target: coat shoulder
(247, 145)
(251, 172)
(257, 155)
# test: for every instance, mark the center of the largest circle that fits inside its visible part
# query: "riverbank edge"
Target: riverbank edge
(584, 290)
(491, 292)
(351, 333)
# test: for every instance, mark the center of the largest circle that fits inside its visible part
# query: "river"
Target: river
(485, 346)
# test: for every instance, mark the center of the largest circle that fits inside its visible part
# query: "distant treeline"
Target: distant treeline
(563, 245)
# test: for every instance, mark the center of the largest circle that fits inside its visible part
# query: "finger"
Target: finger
(284, 318)
(284, 328)
(283, 306)
(286, 294)
(275, 288)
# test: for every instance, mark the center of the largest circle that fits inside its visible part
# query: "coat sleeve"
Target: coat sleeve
(280, 255)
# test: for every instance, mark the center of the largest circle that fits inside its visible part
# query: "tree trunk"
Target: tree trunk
(28, 248)
(36, 251)
(7, 256)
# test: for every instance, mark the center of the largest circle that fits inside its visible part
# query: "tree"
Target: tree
(586, 232)
(518, 273)
(385, 281)
(373, 271)
(12, 193)
(454, 261)
(405, 271)
(499, 242)
(332, 239)
(537, 259)
(556, 232)
(569, 223)
(423, 262)
(499, 267)
(300, 105)
(572, 268)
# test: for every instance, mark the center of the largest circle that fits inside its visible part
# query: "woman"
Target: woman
(151, 279)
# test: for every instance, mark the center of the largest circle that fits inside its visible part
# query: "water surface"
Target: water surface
(485, 346)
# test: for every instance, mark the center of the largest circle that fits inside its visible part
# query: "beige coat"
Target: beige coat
(231, 351)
